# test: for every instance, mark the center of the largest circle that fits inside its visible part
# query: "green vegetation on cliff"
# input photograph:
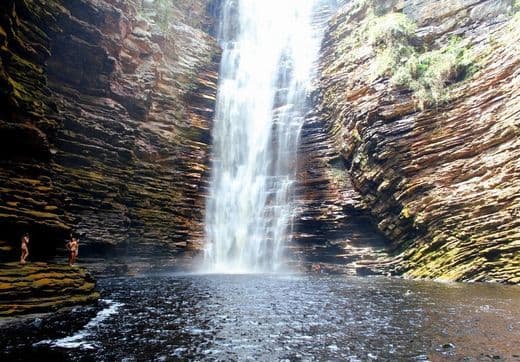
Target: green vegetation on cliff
(405, 58)
(429, 74)
(412, 65)
(391, 36)
(163, 13)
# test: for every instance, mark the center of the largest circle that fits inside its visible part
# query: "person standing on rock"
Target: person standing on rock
(73, 246)
(25, 248)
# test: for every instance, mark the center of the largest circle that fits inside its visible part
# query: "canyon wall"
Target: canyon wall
(105, 121)
(421, 101)
(105, 117)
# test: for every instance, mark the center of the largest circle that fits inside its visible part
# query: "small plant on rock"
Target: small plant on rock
(163, 13)
(429, 74)
(391, 37)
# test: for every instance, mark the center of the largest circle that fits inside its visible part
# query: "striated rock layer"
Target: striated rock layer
(105, 110)
(333, 224)
(41, 287)
(442, 179)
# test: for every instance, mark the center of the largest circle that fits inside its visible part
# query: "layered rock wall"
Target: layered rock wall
(441, 178)
(41, 287)
(106, 107)
(104, 123)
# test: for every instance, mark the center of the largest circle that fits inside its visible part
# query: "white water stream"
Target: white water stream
(269, 52)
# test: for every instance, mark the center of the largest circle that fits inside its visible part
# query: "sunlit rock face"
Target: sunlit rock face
(441, 178)
(104, 122)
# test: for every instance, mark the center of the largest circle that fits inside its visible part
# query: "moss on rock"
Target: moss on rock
(42, 287)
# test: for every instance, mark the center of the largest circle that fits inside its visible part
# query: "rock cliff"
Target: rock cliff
(105, 110)
(421, 100)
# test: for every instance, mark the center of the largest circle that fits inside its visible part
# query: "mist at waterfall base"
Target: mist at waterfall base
(269, 52)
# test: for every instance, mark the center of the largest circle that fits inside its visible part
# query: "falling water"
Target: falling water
(269, 49)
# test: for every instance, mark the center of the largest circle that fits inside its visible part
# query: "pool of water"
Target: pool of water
(171, 316)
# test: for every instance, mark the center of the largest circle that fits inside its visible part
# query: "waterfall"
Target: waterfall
(269, 51)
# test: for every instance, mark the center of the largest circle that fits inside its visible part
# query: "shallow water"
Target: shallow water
(293, 317)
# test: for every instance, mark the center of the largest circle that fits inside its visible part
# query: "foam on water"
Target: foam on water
(80, 338)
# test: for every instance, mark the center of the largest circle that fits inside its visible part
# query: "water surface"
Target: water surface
(292, 317)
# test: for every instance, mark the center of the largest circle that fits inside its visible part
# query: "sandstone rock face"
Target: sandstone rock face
(441, 179)
(105, 116)
(104, 123)
(41, 287)
(333, 224)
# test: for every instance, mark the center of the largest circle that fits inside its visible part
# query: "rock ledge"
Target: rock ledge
(42, 287)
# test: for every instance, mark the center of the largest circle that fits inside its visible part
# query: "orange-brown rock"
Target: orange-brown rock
(104, 122)
(42, 287)
(442, 180)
